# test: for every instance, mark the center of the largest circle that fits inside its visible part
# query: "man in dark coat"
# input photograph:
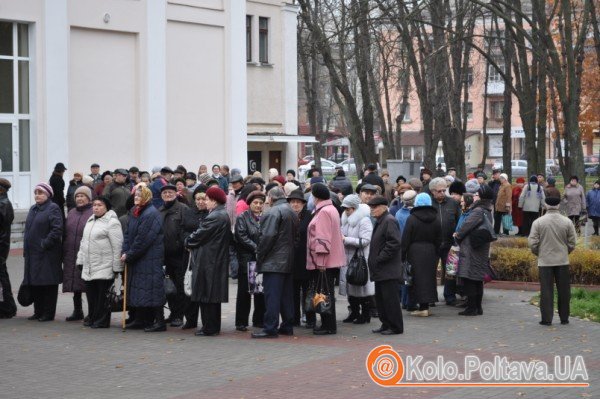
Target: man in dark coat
(342, 182)
(385, 267)
(118, 191)
(448, 211)
(210, 243)
(58, 186)
(371, 177)
(275, 260)
(8, 308)
(174, 235)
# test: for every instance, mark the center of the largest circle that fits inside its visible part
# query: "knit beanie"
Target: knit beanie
(422, 199)
(472, 186)
(45, 187)
(320, 191)
(85, 190)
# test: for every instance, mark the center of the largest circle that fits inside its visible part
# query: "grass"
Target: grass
(585, 304)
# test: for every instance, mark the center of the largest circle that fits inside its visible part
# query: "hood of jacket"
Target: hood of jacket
(360, 213)
(426, 214)
(485, 204)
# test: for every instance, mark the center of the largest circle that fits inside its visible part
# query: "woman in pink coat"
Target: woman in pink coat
(325, 251)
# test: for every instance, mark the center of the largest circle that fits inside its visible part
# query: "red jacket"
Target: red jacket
(325, 248)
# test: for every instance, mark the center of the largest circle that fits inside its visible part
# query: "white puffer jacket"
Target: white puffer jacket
(354, 227)
(100, 249)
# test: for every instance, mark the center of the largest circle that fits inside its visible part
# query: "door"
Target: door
(275, 160)
(14, 160)
(254, 161)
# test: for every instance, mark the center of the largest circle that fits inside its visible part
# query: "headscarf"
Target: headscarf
(145, 198)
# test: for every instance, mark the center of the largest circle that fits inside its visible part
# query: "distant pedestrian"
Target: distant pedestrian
(58, 186)
(574, 199)
(531, 201)
(8, 308)
(593, 205)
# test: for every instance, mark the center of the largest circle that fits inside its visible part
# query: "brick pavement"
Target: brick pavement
(66, 360)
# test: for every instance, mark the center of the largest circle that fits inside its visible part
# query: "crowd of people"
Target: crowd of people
(282, 240)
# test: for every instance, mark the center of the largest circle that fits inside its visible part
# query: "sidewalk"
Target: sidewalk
(66, 360)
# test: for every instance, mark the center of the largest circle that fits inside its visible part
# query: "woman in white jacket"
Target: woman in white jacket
(99, 258)
(357, 229)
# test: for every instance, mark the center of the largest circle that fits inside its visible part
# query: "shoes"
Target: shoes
(202, 333)
(33, 317)
(241, 328)
(289, 333)
(479, 312)
(176, 322)
(461, 304)
(362, 319)
(75, 316)
(391, 332)
(564, 322)
(135, 325)
(46, 318)
(156, 327)
(420, 313)
(169, 319)
(546, 323)
(379, 330)
(323, 332)
(351, 317)
(451, 303)
(258, 325)
(100, 325)
(188, 326)
(411, 308)
(263, 334)
(310, 325)
(468, 312)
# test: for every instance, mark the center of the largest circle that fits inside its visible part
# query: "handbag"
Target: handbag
(308, 299)
(407, 273)
(357, 272)
(452, 261)
(170, 288)
(490, 275)
(25, 296)
(322, 300)
(484, 234)
(255, 280)
(115, 300)
(507, 222)
(187, 278)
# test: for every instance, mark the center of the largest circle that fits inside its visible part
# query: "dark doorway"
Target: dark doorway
(254, 161)
(275, 160)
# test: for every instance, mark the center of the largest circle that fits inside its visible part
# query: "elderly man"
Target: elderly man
(448, 210)
(367, 192)
(8, 308)
(552, 239)
(118, 192)
(95, 174)
(275, 260)
(503, 203)
(385, 267)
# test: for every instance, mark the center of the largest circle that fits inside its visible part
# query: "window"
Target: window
(248, 38)
(469, 111)
(470, 76)
(263, 39)
(418, 154)
(406, 113)
(496, 109)
(406, 153)
(494, 76)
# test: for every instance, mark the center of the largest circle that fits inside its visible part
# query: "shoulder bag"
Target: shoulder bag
(357, 272)
(187, 278)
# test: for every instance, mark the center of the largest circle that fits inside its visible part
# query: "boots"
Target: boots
(159, 321)
(77, 308)
(354, 309)
(365, 314)
(471, 309)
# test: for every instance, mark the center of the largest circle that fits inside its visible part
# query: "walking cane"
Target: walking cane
(123, 317)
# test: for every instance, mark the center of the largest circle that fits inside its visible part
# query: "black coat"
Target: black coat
(117, 194)
(143, 245)
(7, 216)
(210, 245)
(192, 216)
(421, 240)
(58, 187)
(73, 186)
(385, 257)
(247, 234)
(374, 179)
(172, 219)
(277, 234)
(42, 245)
(448, 213)
(300, 272)
(343, 184)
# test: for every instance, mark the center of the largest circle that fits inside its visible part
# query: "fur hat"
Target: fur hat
(416, 184)
(87, 180)
(320, 191)
(254, 195)
(457, 187)
(351, 201)
(472, 186)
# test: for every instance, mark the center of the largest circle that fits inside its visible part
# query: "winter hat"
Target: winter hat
(279, 179)
(422, 199)
(520, 180)
(457, 187)
(472, 186)
(317, 179)
(449, 179)
(533, 179)
(190, 176)
(236, 171)
(320, 191)
(45, 187)
(504, 176)
(402, 188)
(216, 194)
(482, 175)
(87, 180)
(551, 181)
(85, 190)
(292, 172)
(552, 201)
(485, 192)
(351, 201)
(254, 195)
(200, 189)
(416, 184)
(272, 173)
(204, 178)
(408, 198)
(289, 187)
(106, 202)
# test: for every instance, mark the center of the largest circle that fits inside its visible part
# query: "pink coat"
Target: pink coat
(325, 248)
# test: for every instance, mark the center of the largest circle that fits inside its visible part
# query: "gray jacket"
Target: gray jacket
(531, 199)
(552, 239)
(473, 263)
(574, 198)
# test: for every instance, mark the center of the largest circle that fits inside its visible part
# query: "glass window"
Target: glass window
(23, 87)
(6, 147)
(263, 39)
(418, 153)
(494, 75)
(24, 146)
(7, 91)
(470, 76)
(23, 37)
(248, 38)
(469, 111)
(496, 109)
(6, 38)
(406, 153)
(406, 113)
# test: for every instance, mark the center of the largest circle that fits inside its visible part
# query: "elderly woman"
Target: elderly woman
(325, 250)
(517, 213)
(503, 203)
(143, 252)
(356, 235)
(106, 180)
(76, 220)
(474, 262)
(574, 199)
(247, 234)
(98, 256)
(531, 201)
(421, 240)
(42, 250)
(210, 245)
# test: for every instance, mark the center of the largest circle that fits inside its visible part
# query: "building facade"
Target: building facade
(146, 83)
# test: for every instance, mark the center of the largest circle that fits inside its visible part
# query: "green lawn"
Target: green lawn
(585, 304)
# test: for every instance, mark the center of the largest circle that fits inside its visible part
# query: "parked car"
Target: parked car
(349, 166)
(327, 167)
(552, 167)
(591, 165)
(305, 160)
(518, 167)
(338, 157)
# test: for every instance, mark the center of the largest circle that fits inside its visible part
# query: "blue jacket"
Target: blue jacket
(155, 187)
(143, 245)
(593, 202)
(401, 217)
(42, 245)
